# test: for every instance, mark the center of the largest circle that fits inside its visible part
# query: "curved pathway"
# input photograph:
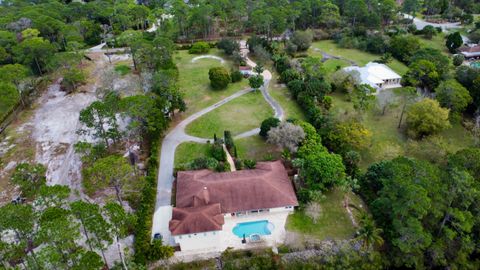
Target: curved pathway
(177, 135)
(209, 56)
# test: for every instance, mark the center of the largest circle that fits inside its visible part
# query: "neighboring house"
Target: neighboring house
(378, 76)
(232, 209)
(246, 70)
(470, 51)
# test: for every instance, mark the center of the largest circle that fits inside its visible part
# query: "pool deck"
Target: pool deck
(229, 239)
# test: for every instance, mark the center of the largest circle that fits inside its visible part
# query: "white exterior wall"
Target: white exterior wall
(206, 240)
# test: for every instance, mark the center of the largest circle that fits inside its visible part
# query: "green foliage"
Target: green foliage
(72, 78)
(216, 151)
(436, 57)
(467, 159)
(34, 52)
(302, 39)
(362, 97)
(290, 75)
(422, 73)
(219, 78)
(228, 46)
(426, 118)
(236, 75)
(250, 163)
(453, 42)
(348, 135)
(203, 163)
(199, 48)
(458, 59)
(30, 178)
(228, 139)
(122, 69)
(267, 124)
(452, 95)
(9, 98)
(403, 47)
(255, 81)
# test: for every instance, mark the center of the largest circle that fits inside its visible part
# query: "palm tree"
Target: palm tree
(368, 233)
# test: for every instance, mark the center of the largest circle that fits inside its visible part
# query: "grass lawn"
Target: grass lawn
(360, 57)
(280, 93)
(239, 115)
(189, 151)
(255, 147)
(334, 222)
(331, 65)
(388, 141)
(437, 42)
(194, 82)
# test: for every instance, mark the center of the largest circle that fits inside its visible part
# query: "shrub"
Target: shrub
(199, 48)
(290, 75)
(238, 164)
(122, 69)
(227, 136)
(426, 117)
(203, 163)
(216, 151)
(219, 78)
(236, 76)
(267, 124)
(250, 163)
(458, 59)
(303, 39)
(228, 46)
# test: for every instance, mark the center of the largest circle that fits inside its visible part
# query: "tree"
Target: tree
(34, 52)
(426, 117)
(467, 159)
(111, 171)
(72, 78)
(99, 118)
(199, 48)
(228, 46)
(322, 170)
(362, 97)
(14, 73)
(452, 95)
(302, 39)
(453, 42)
(255, 82)
(356, 11)
(219, 78)
(368, 233)
(403, 47)
(119, 221)
(286, 135)
(429, 31)
(441, 62)
(268, 124)
(95, 228)
(458, 59)
(348, 135)
(408, 95)
(30, 177)
(422, 73)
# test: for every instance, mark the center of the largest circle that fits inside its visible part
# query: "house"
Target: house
(470, 51)
(378, 76)
(246, 70)
(232, 209)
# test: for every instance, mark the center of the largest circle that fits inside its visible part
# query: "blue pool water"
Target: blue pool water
(475, 64)
(261, 227)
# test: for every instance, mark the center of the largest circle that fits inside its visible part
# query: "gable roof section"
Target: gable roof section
(267, 186)
(201, 218)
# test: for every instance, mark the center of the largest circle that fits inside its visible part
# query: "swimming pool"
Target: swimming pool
(261, 227)
(475, 64)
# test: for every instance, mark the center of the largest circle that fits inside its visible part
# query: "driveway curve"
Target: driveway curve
(177, 135)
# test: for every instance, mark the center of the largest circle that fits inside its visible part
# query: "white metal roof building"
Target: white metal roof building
(377, 75)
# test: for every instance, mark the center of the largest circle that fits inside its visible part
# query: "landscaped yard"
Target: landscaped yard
(359, 57)
(388, 141)
(437, 42)
(194, 82)
(239, 115)
(255, 147)
(280, 93)
(189, 151)
(333, 223)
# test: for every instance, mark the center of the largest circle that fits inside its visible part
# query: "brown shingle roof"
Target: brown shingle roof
(474, 49)
(267, 186)
(201, 218)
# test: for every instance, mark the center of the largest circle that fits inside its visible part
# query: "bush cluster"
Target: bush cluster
(200, 47)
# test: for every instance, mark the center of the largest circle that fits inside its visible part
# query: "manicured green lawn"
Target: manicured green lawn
(331, 65)
(334, 222)
(255, 147)
(437, 42)
(388, 141)
(239, 115)
(281, 94)
(189, 151)
(360, 57)
(194, 82)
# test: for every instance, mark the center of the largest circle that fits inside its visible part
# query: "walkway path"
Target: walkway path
(420, 24)
(176, 136)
